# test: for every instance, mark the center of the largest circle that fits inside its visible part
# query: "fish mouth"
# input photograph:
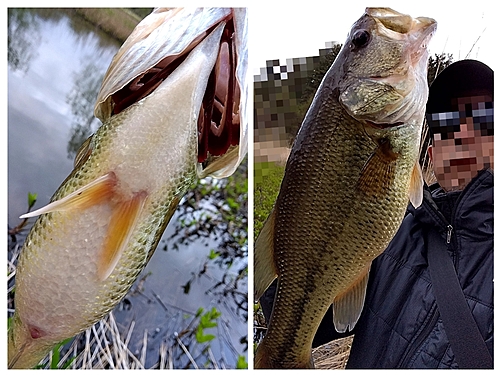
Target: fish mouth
(219, 117)
(421, 32)
(400, 80)
(400, 22)
(398, 26)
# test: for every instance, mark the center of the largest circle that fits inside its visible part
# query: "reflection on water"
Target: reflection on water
(56, 63)
(48, 52)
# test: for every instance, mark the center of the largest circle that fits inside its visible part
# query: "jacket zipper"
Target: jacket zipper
(421, 337)
(432, 321)
(448, 234)
(434, 315)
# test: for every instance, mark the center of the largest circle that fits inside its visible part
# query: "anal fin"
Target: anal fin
(122, 223)
(348, 305)
(265, 270)
(97, 191)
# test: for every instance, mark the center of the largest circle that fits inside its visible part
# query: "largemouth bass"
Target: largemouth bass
(174, 107)
(351, 172)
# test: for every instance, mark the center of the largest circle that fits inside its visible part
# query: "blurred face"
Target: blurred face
(464, 143)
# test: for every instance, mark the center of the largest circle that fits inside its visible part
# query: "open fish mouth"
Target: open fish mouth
(219, 118)
(383, 96)
(158, 47)
(418, 31)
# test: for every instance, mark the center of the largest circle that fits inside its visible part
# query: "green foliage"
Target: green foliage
(31, 199)
(242, 363)
(437, 64)
(56, 358)
(207, 320)
(213, 254)
(266, 188)
(201, 337)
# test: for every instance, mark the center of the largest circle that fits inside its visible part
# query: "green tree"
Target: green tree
(437, 64)
(318, 74)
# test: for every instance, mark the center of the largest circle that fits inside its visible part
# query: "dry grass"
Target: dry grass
(106, 344)
(333, 355)
(106, 347)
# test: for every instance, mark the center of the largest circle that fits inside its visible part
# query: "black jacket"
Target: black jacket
(400, 326)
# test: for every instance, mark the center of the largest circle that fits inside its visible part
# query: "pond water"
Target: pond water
(56, 64)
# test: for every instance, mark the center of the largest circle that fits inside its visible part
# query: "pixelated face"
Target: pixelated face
(463, 145)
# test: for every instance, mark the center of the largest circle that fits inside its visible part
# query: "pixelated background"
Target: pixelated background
(282, 94)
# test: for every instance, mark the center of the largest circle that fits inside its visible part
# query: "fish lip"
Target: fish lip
(421, 32)
(417, 31)
(424, 25)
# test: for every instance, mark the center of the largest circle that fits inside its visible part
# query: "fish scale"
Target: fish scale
(324, 191)
(345, 189)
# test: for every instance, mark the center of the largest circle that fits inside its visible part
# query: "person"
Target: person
(401, 325)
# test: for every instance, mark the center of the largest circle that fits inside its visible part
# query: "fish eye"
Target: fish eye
(360, 38)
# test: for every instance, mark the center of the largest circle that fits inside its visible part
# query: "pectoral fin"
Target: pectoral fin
(96, 192)
(265, 270)
(348, 305)
(416, 186)
(379, 170)
(123, 221)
